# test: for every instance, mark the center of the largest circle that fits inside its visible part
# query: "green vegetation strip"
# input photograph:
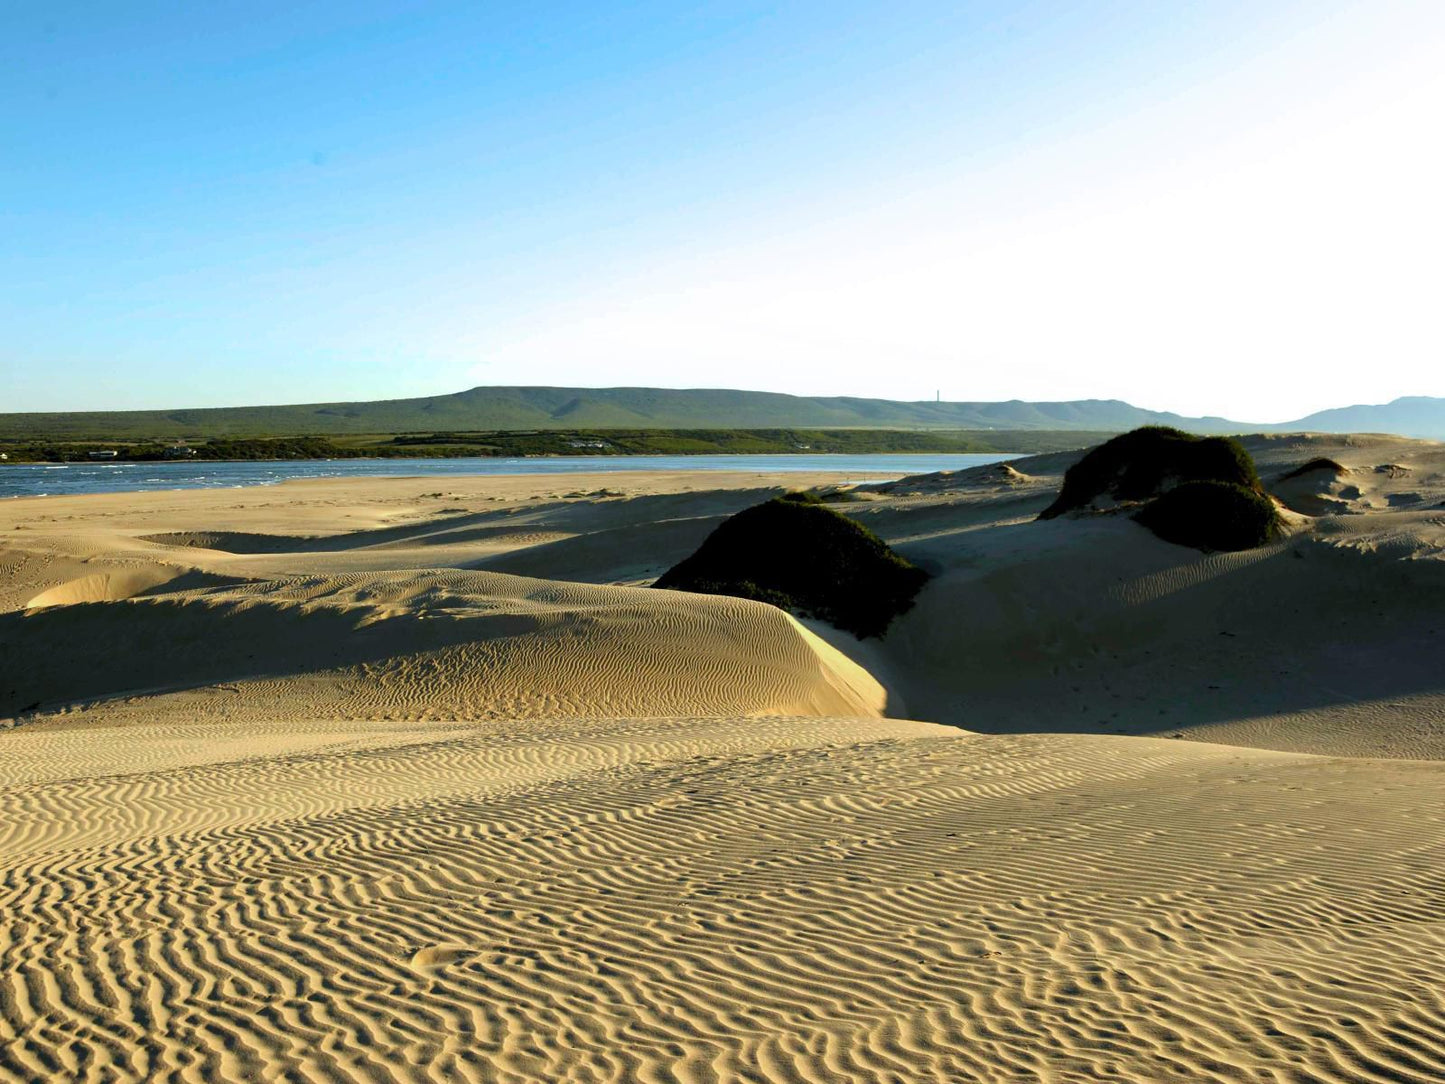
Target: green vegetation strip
(575, 442)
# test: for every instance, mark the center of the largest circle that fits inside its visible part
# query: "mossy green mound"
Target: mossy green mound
(1148, 462)
(1212, 516)
(801, 555)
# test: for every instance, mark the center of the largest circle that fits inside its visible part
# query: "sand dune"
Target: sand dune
(1299, 646)
(428, 645)
(371, 781)
(105, 586)
(1328, 642)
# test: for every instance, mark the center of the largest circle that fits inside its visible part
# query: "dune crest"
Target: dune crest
(433, 644)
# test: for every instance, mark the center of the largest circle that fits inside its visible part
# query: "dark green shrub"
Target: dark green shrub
(798, 554)
(1211, 516)
(1142, 464)
(828, 496)
(1314, 465)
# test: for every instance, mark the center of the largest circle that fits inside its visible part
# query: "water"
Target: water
(53, 479)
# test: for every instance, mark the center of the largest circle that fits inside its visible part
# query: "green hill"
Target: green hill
(523, 408)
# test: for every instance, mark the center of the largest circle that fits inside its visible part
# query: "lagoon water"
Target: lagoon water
(53, 479)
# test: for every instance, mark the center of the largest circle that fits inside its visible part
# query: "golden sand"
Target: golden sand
(413, 779)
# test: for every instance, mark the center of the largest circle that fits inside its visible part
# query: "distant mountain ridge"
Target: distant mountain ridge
(492, 408)
(1409, 416)
(488, 408)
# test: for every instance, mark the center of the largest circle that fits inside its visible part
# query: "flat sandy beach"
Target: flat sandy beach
(418, 779)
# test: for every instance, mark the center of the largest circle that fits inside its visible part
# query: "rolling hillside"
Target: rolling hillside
(526, 408)
(571, 408)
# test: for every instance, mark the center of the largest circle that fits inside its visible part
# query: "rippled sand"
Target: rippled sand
(366, 781)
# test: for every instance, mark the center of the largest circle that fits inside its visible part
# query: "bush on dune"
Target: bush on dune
(1145, 463)
(1321, 464)
(1202, 492)
(798, 554)
(1211, 516)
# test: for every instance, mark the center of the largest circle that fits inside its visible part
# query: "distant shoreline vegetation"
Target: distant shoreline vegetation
(553, 442)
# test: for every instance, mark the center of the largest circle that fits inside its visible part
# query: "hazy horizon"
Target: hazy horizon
(1230, 210)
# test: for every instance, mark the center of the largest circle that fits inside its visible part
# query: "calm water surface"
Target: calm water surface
(53, 479)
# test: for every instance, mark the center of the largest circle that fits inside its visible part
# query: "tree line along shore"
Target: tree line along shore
(578, 442)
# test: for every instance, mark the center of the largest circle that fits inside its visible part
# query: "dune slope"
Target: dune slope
(422, 644)
(1326, 642)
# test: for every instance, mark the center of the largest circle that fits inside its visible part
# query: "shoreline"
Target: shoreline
(76, 479)
(486, 458)
(704, 479)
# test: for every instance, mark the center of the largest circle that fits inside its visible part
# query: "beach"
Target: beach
(395, 779)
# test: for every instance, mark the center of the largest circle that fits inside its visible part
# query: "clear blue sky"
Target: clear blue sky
(211, 204)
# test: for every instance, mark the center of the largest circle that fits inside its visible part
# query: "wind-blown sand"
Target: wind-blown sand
(369, 781)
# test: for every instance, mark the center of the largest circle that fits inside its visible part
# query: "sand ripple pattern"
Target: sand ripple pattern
(715, 899)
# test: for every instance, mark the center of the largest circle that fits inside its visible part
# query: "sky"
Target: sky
(1215, 208)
